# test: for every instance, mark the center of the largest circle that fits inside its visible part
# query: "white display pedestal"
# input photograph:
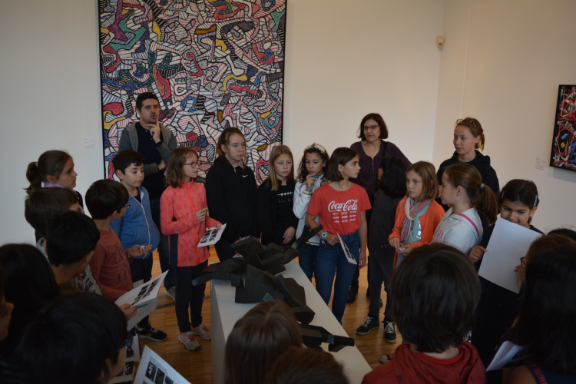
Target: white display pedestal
(225, 312)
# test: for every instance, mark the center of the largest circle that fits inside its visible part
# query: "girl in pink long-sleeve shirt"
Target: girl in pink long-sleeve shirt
(184, 218)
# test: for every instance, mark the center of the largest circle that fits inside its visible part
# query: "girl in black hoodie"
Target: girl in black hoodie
(231, 192)
(468, 137)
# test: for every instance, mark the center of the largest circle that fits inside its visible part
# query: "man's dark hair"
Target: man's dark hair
(304, 365)
(566, 232)
(43, 203)
(126, 158)
(29, 285)
(70, 237)
(104, 197)
(435, 292)
(85, 330)
(144, 96)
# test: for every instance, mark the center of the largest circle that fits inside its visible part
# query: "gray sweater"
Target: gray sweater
(129, 140)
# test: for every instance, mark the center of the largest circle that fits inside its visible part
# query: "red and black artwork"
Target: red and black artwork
(564, 141)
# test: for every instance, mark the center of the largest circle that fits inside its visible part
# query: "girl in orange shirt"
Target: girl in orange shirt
(184, 218)
(417, 215)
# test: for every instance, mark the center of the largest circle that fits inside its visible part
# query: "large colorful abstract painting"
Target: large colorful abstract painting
(212, 63)
(564, 141)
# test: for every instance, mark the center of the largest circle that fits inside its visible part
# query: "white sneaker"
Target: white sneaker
(202, 331)
(171, 293)
(189, 341)
(386, 358)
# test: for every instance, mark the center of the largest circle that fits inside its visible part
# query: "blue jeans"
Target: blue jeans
(169, 281)
(331, 262)
(307, 260)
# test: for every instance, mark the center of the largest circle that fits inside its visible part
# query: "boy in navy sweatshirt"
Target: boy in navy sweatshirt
(136, 226)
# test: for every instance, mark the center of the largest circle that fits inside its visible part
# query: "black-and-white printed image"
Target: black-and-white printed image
(159, 377)
(129, 352)
(168, 380)
(129, 368)
(151, 371)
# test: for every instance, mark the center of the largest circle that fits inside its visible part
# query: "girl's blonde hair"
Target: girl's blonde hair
(427, 172)
(275, 154)
(174, 173)
(475, 129)
(481, 196)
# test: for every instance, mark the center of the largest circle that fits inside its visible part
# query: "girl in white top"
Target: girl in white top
(463, 190)
(310, 178)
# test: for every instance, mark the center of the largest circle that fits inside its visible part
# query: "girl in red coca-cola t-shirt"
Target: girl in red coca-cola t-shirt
(340, 207)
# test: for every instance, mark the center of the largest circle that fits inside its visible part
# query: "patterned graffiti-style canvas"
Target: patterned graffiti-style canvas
(212, 64)
(564, 140)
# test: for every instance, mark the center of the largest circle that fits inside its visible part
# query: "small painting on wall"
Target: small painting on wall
(564, 141)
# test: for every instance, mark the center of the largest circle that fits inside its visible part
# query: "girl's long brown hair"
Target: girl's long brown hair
(481, 196)
(174, 173)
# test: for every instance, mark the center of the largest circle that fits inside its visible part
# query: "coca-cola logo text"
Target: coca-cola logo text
(350, 205)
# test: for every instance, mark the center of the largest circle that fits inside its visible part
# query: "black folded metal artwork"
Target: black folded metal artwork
(261, 267)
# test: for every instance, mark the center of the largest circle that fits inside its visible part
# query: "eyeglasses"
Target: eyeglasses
(371, 128)
(128, 205)
(193, 165)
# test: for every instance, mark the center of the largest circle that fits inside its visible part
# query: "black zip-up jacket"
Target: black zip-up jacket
(482, 164)
(232, 199)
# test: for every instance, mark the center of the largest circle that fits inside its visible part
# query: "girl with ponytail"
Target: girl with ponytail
(53, 169)
(462, 188)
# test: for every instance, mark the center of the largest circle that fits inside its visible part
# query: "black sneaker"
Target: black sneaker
(351, 296)
(369, 324)
(151, 333)
(389, 332)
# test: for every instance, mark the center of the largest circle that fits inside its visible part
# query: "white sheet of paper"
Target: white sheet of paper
(509, 242)
(347, 253)
(145, 297)
(211, 236)
(153, 369)
(504, 356)
(126, 375)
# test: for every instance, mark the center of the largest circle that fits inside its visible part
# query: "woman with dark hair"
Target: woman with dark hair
(545, 324)
(29, 285)
(371, 150)
(258, 338)
(79, 338)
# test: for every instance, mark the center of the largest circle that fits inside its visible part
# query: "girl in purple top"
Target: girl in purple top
(371, 149)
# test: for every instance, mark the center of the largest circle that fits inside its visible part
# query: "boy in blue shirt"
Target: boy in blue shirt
(136, 226)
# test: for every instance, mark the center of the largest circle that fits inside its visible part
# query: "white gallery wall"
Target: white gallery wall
(344, 59)
(502, 63)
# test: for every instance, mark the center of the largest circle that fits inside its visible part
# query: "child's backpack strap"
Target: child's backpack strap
(471, 222)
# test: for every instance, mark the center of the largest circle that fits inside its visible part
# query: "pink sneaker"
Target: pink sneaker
(202, 331)
(189, 341)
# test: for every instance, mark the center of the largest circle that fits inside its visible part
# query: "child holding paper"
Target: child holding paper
(498, 306)
(340, 206)
(136, 226)
(184, 218)
(545, 324)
